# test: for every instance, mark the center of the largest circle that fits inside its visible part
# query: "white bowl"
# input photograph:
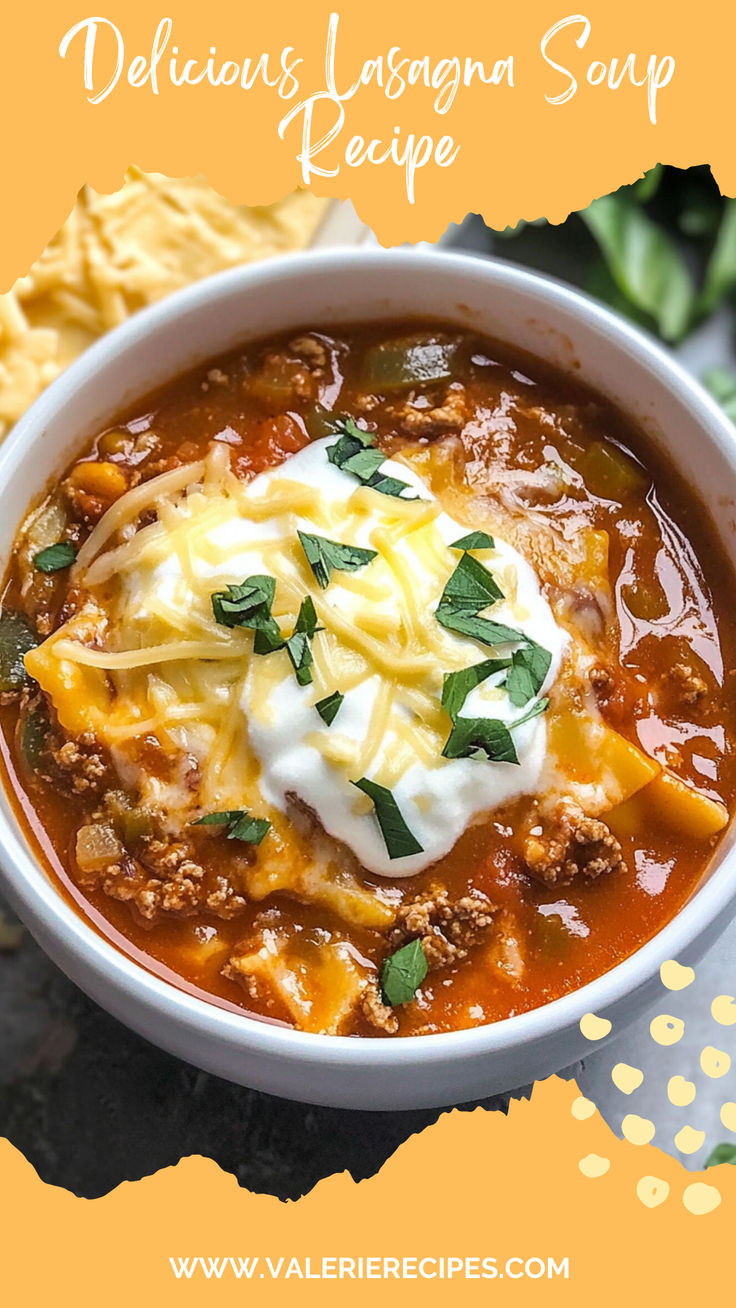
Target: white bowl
(317, 289)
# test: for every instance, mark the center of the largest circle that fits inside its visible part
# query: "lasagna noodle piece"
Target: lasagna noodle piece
(117, 253)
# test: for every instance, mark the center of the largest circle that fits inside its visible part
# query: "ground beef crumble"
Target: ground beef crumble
(447, 928)
(689, 686)
(572, 845)
(603, 683)
(80, 761)
(376, 1012)
(129, 881)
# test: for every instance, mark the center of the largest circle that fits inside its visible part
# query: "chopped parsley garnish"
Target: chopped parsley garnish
(487, 737)
(398, 839)
(469, 591)
(481, 738)
(529, 667)
(240, 823)
(329, 707)
(249, 605)
(297, 646)
(403, 973)
(475, 540)
(55, 557)
(458, 685)
(363, 464)
(352, 439)
(355, 453)
(307, 619)
(324, 555)
(484, 630)
(470, 588)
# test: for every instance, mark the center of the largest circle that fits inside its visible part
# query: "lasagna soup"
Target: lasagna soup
(373, 682)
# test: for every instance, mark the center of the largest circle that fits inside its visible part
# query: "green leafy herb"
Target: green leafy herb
(250, 829)
(307, 620)
(475, 540)
(354, 452)
(403, 973)
(298, 645)
(235, 604)
(484, 630)
(529, 667)
(363, 464)
(249, 605)
(722, 385)
(329, 707)
(323, 555)
(534, 710)
(481, 738)
(398, 839)
(646, 187)
(650, 244)
(720, 273)
(644, 262)
(386, 485)
(488, 737)
(470, 588)
(600, 283)
(241, 825)
(55, 557)
(723, 1153)
(458, 685)
(352, 440)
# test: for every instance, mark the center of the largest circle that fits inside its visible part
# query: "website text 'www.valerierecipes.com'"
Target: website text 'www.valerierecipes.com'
(380, 1268)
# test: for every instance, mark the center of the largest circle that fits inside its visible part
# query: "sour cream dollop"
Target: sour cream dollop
(390, 726)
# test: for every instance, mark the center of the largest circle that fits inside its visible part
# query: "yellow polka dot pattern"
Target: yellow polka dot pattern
(666, 1030)
(594, 1028)
(627, 1079)
(698, 1197)
(637, 1130)
(593, 1165)
(651, 1191)
(680, 1092)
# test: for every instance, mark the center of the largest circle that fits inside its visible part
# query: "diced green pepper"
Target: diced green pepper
(17, 637)
(319, 422)
(273, 385)
(33, 732)
(399, 365)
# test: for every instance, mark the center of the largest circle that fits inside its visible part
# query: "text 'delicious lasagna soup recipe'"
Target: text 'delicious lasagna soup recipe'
(375, 682)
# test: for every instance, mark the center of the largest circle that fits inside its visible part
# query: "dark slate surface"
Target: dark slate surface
(91, 1105)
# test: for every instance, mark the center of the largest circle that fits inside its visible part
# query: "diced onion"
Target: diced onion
(97, 847)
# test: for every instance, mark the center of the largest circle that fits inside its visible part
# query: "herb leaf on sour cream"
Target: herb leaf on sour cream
(240, 823)
(398, 839)
(297, 646)
(475, 540)
(484, 630)
(529, 667)
(470, 588)
(488, 738)
(324, 555)
(249, 605)
(355, 453)
(458, 685)
(329, 707)
(403, 973)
